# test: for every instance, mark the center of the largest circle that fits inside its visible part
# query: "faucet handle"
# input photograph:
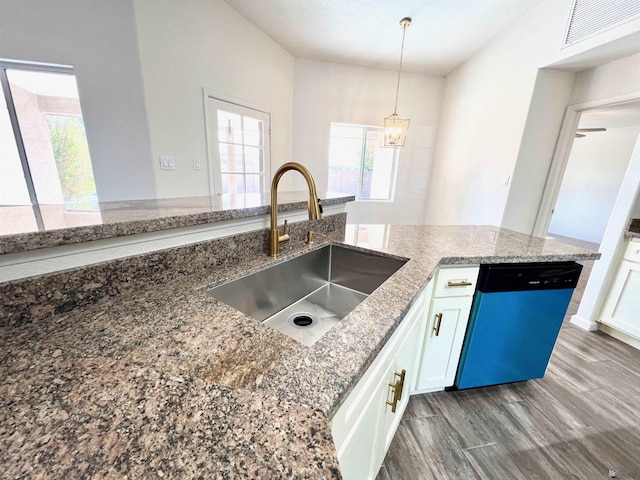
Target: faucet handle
(285, 233)
(320, 206)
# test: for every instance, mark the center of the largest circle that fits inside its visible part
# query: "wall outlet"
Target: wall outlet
(167, 162)
(196, 164)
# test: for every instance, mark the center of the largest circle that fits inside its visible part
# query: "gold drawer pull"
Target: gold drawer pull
(436, 327)
(462, 283)
(397, 390)
(401, 375)
(394, 403)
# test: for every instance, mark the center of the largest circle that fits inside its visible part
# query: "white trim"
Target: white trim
(16, 266)
(584, 324)
(618, 335)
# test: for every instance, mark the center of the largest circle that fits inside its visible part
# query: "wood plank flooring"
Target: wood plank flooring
(578, 422)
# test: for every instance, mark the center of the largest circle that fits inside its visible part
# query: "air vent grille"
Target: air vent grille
(590, 17)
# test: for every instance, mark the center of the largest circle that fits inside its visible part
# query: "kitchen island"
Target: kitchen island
(166, 381)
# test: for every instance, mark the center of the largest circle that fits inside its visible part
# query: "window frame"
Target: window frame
(213, 103)
(394, 167)
(5, 88)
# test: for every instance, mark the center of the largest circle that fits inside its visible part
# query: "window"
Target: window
(46, 176)
(358, 165)
(240, 150)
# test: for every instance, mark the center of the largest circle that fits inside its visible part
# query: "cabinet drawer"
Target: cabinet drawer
(633, 252)
(456, 281)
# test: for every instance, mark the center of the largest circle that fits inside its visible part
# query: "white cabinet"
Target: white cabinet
(446, 327)
(365, 424)
(622, 307)
(420, 353)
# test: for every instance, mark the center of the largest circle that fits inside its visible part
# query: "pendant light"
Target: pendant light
(394, 126)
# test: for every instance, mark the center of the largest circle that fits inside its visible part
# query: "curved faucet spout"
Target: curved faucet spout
(275, 239)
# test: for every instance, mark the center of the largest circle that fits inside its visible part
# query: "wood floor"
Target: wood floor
(578, 422)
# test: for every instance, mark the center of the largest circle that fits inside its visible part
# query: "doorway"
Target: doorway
(599, 156)
(625, 206)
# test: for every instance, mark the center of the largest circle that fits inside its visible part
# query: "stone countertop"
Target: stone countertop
(120, 218)
(170, 382)
(634, 228)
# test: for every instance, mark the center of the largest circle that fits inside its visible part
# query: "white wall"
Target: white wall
(185, 46)
(98, 39)
(501, 115)
(591, 181)
(619, 77)
(328, 92)
(486, 104)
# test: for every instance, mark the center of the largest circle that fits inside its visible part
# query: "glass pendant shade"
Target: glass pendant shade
(395, 130)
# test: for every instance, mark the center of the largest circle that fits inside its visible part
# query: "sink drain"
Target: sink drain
(302, 319)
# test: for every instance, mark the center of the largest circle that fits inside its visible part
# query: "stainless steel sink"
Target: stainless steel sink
(305, 296)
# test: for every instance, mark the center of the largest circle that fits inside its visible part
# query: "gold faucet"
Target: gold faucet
(275, 239)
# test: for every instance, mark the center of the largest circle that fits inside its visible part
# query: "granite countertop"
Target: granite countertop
(120, 218)
(169, 382)
(634, 228)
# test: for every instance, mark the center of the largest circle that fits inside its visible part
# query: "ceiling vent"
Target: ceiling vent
(590, 17)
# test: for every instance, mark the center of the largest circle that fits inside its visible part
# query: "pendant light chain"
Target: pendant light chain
(404, 31)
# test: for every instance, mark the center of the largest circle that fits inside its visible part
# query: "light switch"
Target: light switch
(167, 162)
(196, 164)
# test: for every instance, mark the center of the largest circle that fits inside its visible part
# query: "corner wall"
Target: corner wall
(485, 110)
(185, 46)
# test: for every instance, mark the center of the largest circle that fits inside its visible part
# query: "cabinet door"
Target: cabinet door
(622, 308)
(446, 328)
(405, 359)
(359, 457)
(361, 428)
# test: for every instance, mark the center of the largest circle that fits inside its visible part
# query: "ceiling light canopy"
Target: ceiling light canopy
(395, 127)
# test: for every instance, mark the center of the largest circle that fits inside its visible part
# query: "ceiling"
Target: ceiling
(442, 36)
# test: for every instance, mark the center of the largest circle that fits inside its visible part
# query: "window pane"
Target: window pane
(367, 173)
(229, 127)
(231, 158)
(245, 155)
(254, 162)
(48, 110)
(253, 129)
(13, 188)
(232, 183)
(378, 170)
(71, 152)
(255, 183)
(345, 153)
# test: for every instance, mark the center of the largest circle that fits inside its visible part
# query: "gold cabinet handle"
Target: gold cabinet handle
(436, 327)
(397, 390)
(401, 375)
(394, 403)
(462, 283)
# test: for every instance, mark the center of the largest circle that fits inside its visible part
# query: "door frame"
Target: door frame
(213, 156)
(561, 156)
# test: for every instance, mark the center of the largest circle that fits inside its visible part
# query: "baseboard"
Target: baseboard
(584, 324)
(420, 391)
(618, 335)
